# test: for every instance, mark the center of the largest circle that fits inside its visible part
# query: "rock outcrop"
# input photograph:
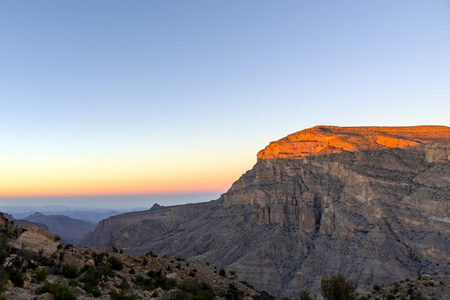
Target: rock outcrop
(36, 240)
(372, 204)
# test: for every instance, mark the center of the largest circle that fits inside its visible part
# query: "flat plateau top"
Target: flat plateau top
(321, 140)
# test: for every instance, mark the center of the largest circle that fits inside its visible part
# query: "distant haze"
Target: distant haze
(122, 202)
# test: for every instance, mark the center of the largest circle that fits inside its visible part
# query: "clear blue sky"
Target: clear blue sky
(177, 88)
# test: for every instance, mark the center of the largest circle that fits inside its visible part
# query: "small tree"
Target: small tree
(306, 295)
(338, 288)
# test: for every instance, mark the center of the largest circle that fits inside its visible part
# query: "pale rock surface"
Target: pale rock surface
(74, 259)
(36, 240)
(90, 263)
(45, 296)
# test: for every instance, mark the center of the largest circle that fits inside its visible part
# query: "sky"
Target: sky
(177, 97)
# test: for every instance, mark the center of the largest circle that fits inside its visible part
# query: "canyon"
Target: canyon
(371, 203)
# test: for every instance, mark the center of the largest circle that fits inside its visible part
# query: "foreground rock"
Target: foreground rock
(36, 240)
(82, 273)
(375, 213)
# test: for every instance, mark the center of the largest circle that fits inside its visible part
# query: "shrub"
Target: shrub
(306, 295)
(146, 283)
(70, 271)
(156, 280)
(417, 296)
(132, 271)
(90, 280)
(222, 272)
(154, 274)
(68, 246)
(190, 286)
(191, 289)
(192, 273)
(338, 288)
(151, 254)
(376, 287)
(40, 274)
(106, 270)
(15, 275)
(166, 283)
(115, 263)
(59, 290)
(124, 285)
(182, 295)
(247, 284)
(233, 293)
(263, 296)
(4, 251)
(114, 295)
(98, 257)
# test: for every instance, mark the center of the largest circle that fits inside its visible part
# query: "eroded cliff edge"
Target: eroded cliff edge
(375, 215)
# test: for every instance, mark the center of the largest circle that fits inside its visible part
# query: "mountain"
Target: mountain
(70, 230)
(34, 266)
(23, 222)
(371, 203)
(91, 215)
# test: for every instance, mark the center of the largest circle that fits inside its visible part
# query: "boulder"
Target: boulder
(74, 260)
(36, 240)
(45, 296)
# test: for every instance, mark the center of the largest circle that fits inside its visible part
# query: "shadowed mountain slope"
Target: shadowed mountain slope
(70, 230)
(374, 214)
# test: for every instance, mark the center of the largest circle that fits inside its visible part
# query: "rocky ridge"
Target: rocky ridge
(69, 229)
(377, 213)
(39, 268)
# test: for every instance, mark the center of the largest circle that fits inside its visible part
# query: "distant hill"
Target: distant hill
(22, 222)
(70, 230)
(91, 215)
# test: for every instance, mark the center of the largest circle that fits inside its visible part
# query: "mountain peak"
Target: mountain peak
(321, 140)
(156, 206)
(35, 214)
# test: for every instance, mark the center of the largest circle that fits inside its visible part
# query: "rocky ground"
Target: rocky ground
(421, 287)
(35, 266)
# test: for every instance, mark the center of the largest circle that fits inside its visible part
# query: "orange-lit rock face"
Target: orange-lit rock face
(330, 139)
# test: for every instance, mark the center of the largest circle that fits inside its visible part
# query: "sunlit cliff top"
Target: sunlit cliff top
(332, 139)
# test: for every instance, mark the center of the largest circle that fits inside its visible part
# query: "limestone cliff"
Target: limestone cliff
(321, 140)
(373, 213)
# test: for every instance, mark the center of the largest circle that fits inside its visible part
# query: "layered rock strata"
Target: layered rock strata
(375, 214)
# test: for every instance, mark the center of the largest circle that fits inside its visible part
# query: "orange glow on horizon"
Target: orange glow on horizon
(94, 188)
(85, 179)
(110, 192)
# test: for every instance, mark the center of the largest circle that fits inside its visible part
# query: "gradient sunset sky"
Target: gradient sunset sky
(137, 97)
